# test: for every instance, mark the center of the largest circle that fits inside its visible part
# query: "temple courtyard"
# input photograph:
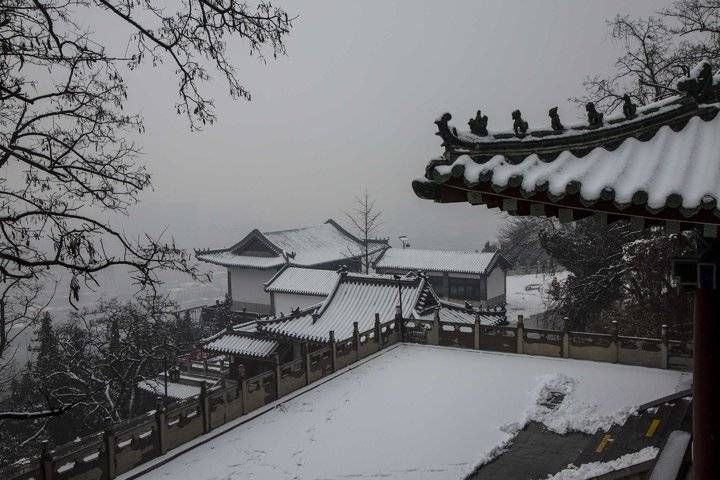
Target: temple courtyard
(423, 412)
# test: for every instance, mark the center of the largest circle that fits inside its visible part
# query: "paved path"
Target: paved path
(537, 452)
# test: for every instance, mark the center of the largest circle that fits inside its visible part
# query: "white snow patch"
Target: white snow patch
(414, 412)
(574, 413)
(595, 469)
(528, 295)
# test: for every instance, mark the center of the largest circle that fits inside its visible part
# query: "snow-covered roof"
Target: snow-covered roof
(450, 312)
(439, 260)
(179, 391)
(392, 416)
(242, 344)
(354, 298)
(305, 247)
(662, 162)
(305, 281)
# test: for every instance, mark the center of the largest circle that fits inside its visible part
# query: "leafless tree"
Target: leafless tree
(20, 309)
(647, 71)
(659, 51)
(365, 221)
(68, 161)
(100, 356)
(66, 157)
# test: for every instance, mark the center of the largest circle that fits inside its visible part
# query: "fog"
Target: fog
(352, 107)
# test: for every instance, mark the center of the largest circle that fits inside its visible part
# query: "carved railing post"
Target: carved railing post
(278, 378)
(161, 427)
(46, 461)
(204, 402)
(378, 331)
(356, 341)
(399, 324)
(664, 361)
(434, 338)
(476, 332)
(615, 345)
(520, 335)
(333, 350)
(109, 444)
(244, 395)
(306, 361)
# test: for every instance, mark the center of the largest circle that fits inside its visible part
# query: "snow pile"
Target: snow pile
(595, 469)
(417, 412)
(572, 414)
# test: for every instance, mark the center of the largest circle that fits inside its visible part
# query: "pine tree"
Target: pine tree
(45, 345)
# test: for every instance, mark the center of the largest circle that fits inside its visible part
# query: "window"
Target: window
(465, 288)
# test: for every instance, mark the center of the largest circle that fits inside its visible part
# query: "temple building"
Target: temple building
(655, 165)
(477, 277)
(358, 307)
(254, 260)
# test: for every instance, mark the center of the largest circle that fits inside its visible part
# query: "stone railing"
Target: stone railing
(122, 447)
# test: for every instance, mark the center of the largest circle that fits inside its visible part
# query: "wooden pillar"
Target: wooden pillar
(306, 361)
(161, 427)
(566, 338)
(109, 443)
(46, 461)
(706, 385)
(204, 402)
(519, 335)
(476, 332)
(356, 341)
(333, 350)
(378, 331)
(615, 345)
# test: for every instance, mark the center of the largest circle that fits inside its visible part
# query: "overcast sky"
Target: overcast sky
(352, 106)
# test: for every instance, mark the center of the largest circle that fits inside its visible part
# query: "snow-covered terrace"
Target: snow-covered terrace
(420, 412)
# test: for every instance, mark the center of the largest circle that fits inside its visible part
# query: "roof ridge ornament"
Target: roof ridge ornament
(555, 122)
(699, 84)
(520, 126)
(629, 108)
(478, 125)
(595, 118)
(449, 136)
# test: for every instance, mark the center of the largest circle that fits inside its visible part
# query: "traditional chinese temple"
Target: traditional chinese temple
(651, 165)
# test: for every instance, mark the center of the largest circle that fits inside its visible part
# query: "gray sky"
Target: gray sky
(352, 107)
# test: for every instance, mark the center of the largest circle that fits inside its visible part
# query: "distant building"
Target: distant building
(477, 277)
(258, 257)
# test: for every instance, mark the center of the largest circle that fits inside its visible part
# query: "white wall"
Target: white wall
(284, 302)
(496, 283)
(247, 284)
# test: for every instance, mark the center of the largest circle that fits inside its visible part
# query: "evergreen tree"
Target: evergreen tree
(45, 346)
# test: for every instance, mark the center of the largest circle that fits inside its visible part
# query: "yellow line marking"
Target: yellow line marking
(603, 443)
(653, 427)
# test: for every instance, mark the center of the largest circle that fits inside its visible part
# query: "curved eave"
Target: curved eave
(516, 201)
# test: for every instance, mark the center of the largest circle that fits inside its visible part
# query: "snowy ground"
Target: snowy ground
(527, 295)
(417, 412)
